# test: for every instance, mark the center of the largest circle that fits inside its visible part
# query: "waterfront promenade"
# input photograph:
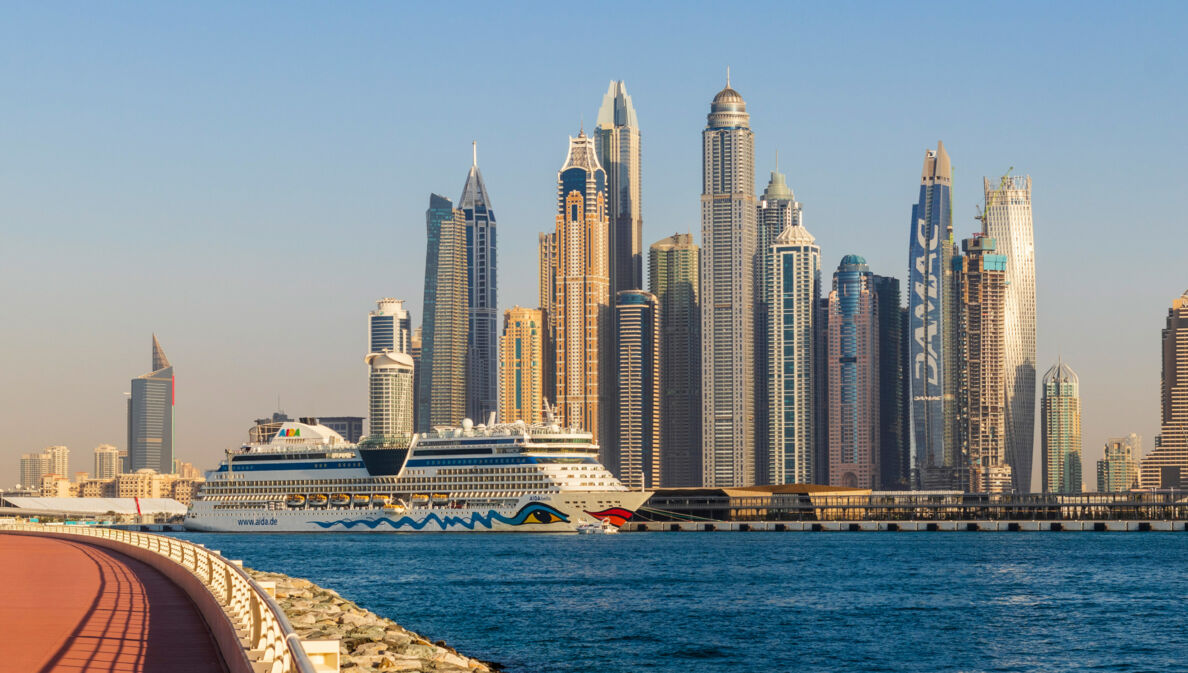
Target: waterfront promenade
(80, 598)
(68, 606)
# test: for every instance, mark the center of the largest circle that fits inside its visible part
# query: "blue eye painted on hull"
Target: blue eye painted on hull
(532, 513)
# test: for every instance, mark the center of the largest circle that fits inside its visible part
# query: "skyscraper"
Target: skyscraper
(521, 370)
(854, 422)
(1060, 416)
(389, 327)
(672, 278)
(1167, 465)
(390, 393)
(547, 298)
(414, 349)
(792, 286)
(580, 306)
(1007, 219)
(1118, 470)
(107, 461)
(931, 316)
(728, 237)
(441, 398)
(616, 138)
(638, 463)
(894, 443)
(982, 274)
(778, 210)
(482, 359)
(150, 416)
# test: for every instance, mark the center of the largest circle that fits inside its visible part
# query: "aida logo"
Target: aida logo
(290, 432)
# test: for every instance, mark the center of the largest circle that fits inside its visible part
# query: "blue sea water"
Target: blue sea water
(744, 602)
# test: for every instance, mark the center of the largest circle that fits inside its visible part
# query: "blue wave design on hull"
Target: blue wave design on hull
(532, 513)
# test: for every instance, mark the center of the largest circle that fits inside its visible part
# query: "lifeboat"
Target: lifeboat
(419, 499)
(295, 500)
(440, 498)
(381, 499)
(395, 508)
(318, 500)
(340, 500)
(360, 499)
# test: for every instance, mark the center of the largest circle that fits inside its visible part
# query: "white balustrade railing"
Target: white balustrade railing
(269, 642)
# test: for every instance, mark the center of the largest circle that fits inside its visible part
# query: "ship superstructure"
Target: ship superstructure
(498, 477)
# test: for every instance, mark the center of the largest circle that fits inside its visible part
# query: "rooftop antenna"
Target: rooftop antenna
(727, 77)
(474, 150)
(582, 128)
(777, 161)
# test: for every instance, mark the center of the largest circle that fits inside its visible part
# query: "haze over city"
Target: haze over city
(246, 182)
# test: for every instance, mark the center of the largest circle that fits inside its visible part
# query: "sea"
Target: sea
(762, 602)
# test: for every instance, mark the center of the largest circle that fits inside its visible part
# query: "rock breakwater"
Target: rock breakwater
(366, 641)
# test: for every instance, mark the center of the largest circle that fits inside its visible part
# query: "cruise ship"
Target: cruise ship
(475, 478)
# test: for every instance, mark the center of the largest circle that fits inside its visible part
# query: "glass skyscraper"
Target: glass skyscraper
(150, 416)
(616, 138)
(793, 289)
(441, 396)
(932, 347)
(1060, 416)
(853, 377)
(672, 277)
(1167, 465)
(1007, 219)
(894, 443)
(482, 345)
(728, 247)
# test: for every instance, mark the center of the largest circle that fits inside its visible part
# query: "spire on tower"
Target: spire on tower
(474, 149)
(159, 360)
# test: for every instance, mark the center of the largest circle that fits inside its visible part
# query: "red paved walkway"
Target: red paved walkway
(67, 606)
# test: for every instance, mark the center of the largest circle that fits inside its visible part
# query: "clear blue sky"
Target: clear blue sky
(246, 179)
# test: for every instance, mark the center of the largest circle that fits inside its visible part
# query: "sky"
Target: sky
(246, 179)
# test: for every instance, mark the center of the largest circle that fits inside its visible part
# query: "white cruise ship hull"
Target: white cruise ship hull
(532, 513)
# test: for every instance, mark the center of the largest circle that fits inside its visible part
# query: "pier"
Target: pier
(90, 599)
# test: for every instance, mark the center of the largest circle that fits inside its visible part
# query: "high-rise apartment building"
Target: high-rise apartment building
(672, 278)
(1167, 465)
(616, 138)
(34, 466)
(853, 377)
(728, 240)
(792, 287)
(389, 327)
(1060, 416)
(638, 462)
(932, 328)
(390, 395)
(579, 309)
(982, 279)
(1007, 219)
(107, 461)
(1118, 470)
(521, 366)
(59, 457)
(441, 398)
(482, 358)
(547, 297)
(778, 210)
(894, 443)
(150, 416)
(414, 349)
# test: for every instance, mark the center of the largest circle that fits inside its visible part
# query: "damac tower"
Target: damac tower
(728, 233)
(482, 352)
(931, 328)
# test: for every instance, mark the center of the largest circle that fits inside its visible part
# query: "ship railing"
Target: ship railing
(247, 624)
